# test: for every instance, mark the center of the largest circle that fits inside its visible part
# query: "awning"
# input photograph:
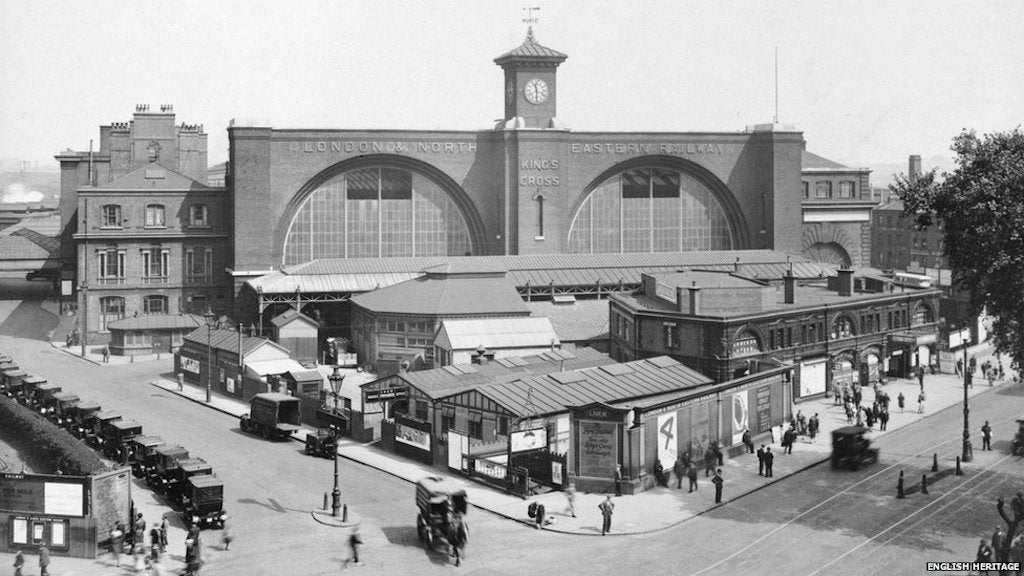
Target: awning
(280, 366)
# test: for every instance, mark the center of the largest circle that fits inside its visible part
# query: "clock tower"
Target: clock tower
(530, 89)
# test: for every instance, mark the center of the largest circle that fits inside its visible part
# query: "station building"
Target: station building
(834, 331)
(334, 206)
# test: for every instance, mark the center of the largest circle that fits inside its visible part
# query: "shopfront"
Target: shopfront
(910, 350)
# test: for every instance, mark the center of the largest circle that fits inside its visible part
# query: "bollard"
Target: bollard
(344, 512)
(959, 472)
(924, 483)
(935, 462)
(325, 500)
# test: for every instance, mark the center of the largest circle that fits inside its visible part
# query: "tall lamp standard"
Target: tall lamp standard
(968, 453)
(211, 319)
(336, 379)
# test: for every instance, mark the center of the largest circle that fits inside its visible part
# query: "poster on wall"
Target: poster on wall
(597, 449)
(190, 365)
(739, 416)
(527, 440)
(812, 378)
(700, 429)
(763, 399)
(668, 440)
(412, 437)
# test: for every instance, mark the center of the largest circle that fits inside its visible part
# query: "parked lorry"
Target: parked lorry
(11, 378)
(202, 500)
(273, 415)
(167, 458)
(28, 389)
(101, 423)
(41, 394)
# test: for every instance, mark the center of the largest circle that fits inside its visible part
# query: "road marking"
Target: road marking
(786, 524)
(908, 517)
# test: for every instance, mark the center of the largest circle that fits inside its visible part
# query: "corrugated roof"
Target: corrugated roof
(446, 296)
(577, 322)
(227, 340)
(531, 50)
(352, 275)
(158, 322)
(496, 334)
(553, 393)
(279, 366)
(440, 382)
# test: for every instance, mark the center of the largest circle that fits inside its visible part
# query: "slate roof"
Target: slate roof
(158, 322)
(49, 243)
(18, 247)
(495, 334)
(289, 315)
(530, 49)
(553, 393)
(227, 340)
(153, 176)
(446, 297)
(577, 322)
(810, 160)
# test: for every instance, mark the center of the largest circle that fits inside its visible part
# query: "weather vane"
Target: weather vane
(530, 18)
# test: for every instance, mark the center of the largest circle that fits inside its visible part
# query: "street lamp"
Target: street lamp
(336, 379)
(968, 453)
(210, 321)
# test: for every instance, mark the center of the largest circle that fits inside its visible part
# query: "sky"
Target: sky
(867, 81)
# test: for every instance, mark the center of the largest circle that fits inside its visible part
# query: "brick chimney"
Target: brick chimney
(845, 282)
(914, 168)
(789, 287)
(694, 299)
(681, 303)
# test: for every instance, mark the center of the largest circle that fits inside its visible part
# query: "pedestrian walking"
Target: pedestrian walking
(44, 560)
(973, 365)
(899, 486)
(760, 461)
(997, 545)
(812, 426)
(920, 377)
(691, 474)
(709, 461)
(116, 543)
(860, 418)
(679, 469)
(920, 403)
(459, 539)
(19, 563)
(718, 481)
(769, 458)
(163, 534)
(193, 551)
(154, 543)
(959, 367)
(837, 395)
(659, 473)
(607, 509)
(986, 436)
(869, 417)
(990, 373)
(539, 513)
(1000, 369)
(883, 420)
(570, 497)
(984, 552)
(901, 402)
(849, 413)
(747, 441)
(354, 541)
(106, 354)
(618, 479)
(227, 535)
(139, 530)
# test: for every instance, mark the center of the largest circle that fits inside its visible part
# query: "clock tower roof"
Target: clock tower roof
(530, 51)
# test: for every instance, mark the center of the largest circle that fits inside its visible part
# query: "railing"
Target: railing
(515, 480)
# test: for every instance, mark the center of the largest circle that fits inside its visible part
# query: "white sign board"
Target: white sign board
(812, 378)
(533, 439)
(668, 441)
(190, 365)
(63, 499)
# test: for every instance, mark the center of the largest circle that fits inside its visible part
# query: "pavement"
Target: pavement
(659, 508)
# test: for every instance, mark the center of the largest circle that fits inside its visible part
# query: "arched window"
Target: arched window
(746, 343)
(923, 315)
(650, 210)
(377, 213)
(111, 308)
(842, 327)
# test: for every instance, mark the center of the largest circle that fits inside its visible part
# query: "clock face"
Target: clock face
(536, 91)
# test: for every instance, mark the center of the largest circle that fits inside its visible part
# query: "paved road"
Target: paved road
(817, 522)
(19, 309)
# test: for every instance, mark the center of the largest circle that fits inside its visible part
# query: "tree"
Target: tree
(980, 206)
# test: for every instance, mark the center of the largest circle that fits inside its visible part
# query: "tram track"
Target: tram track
(807, 518)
